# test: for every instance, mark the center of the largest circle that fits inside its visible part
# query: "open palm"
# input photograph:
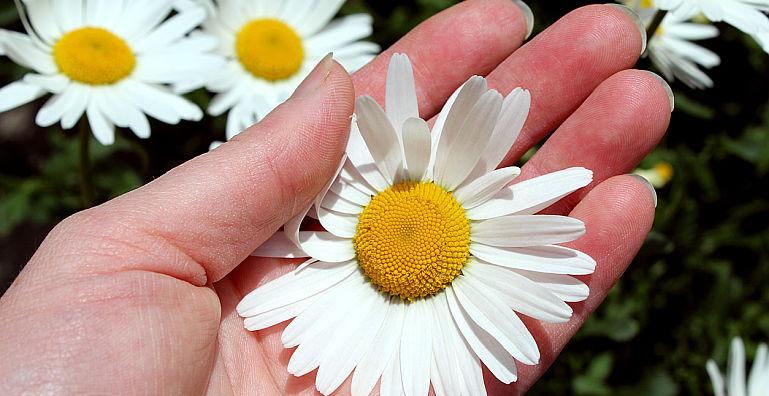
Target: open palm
(137, 295)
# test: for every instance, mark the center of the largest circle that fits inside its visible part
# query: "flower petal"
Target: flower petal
(278, 245)
(565, 287)
(531, 196)
(528, 230)
(18, 93)
(382, 349)
(400, 96)
(416, 350)
(360, 156)
(467, 143)
(416, 146)
(340, 224)
(380, 137)
(551, 259)
(485, 187)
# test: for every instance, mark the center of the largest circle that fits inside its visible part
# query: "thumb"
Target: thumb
(206, 216)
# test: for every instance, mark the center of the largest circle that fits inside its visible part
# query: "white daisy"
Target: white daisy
(111, 60)
(746, 15)
(672, 49)
(271, 46)
(431, 254)
(735, 385)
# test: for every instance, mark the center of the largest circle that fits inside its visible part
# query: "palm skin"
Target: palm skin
(137, 295)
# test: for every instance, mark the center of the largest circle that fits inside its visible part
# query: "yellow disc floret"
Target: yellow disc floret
(412, 240)
(269, 49)
(94, 56)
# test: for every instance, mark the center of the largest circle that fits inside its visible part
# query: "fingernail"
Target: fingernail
(317, 76)
(636, 19)
(668, 90)
(527, 15)
(648, 185)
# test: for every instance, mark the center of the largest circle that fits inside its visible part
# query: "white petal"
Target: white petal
(43, 20)
(350, 193)
(453, 115)
(319, 16)
(340, 32)
(278, 315)
(392, 383)
(485, 187)
(715, 378)
(334, 202)
(758, 380)
(18, 93)
(446, 368)
(325, 246)
(380, 137)
(102, 129)
(351, 175)
(520, 293)
(528, 230)
(382, 349)
(158, 102)
(53, 110)
(352, 339)
(492, 315)
(551, 259)
(308, 355)
(172, 29)
(294, 286)
(400, 96)
(565, 287)
(416, 146)
(491, 353)
(416, 350)
(531, 196)
(360, 156)
(55, 83)
(76, 108)
(278, 245)
(340, 224)
(515, 110)
(469, 376)
(466, 144)
(735, 371)
(20, 48)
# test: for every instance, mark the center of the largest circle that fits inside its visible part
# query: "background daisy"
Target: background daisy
(109, 59)
(271, 46)
(733, 383)
(430, 253)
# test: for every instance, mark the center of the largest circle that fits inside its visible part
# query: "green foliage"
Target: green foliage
(700, 279)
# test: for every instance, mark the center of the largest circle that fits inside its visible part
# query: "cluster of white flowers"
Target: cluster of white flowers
(734, 382)
(673, 50)
(119, 61)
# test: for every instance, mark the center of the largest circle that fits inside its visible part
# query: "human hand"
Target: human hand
(138, 295)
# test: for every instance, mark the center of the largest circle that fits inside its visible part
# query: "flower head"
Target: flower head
(110, 60)
(430, 253)
(271, 46)
(672, 49)
(735, 384)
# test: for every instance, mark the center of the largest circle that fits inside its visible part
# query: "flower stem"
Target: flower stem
(655, 24)
(86, 188)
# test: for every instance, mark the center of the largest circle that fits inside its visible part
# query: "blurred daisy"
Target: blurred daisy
(110, 60)
(271, 46)
(659, 175)
(746, 15)
(735, 385)
(672, 49)
(430, 253)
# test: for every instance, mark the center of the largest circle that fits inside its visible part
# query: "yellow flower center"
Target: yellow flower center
(412, 240)
(664, 170)
(269, 49)
(94, 56)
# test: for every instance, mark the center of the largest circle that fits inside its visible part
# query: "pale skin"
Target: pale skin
(137, 295)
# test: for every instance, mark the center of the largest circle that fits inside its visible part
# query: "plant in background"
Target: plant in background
(271, 46)
(757, 383)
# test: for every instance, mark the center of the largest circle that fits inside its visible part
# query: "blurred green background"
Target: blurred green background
(700, 279)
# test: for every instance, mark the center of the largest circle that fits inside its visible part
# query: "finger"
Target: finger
(562, 65)
(469, 38)
(616, 127)
(618, 215)
(204, 217)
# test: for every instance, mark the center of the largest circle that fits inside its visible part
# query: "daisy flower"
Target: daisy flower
(271, 46)
(735, 385)
(431, 256)
(109, 59)
(672, 49)
(746, 15)
(659, 175)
